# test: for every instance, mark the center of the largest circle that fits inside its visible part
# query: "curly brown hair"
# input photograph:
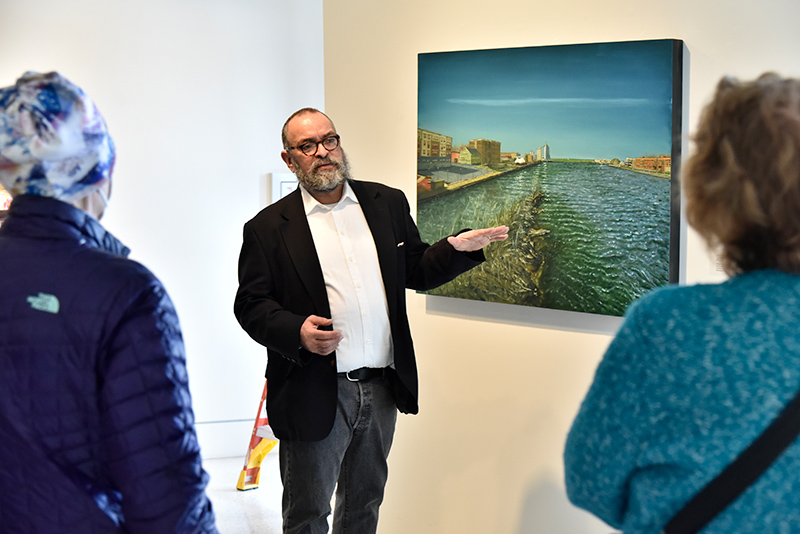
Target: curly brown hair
(742, 183)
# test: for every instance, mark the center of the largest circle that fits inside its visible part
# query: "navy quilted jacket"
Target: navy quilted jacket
(96, 425)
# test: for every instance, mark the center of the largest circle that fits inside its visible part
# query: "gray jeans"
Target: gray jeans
(352, 459)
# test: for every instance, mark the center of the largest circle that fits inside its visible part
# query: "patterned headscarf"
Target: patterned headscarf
(53, 141)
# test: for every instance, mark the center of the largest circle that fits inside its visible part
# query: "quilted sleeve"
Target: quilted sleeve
(147, 419)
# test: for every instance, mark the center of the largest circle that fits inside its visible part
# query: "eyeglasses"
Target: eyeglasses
(309, 148)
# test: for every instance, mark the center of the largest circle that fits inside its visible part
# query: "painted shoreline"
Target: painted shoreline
(656, 174)
(447, 188)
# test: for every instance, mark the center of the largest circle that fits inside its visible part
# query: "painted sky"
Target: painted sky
(607, 100)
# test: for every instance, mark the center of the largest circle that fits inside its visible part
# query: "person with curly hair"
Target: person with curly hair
(696, 373)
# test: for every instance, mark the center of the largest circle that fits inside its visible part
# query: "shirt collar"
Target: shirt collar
(311, 204)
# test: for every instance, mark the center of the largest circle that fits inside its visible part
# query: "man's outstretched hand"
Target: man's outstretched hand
(477, 239)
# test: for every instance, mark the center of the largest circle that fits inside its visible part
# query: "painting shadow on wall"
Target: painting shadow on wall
(547, 509)
(522, 316)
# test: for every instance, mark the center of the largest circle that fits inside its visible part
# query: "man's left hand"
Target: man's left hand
(477, 239)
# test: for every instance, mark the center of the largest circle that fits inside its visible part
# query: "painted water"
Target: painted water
(583, 237)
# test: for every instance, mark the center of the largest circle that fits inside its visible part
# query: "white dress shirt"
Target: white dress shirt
(353, 281)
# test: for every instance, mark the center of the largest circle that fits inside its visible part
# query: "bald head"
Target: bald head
(296, 114)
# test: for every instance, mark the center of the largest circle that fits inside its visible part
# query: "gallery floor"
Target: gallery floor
(245, 512)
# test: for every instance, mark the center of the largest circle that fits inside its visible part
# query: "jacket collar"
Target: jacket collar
(36, 217)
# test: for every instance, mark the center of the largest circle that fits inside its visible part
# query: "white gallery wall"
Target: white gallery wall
(195, 93)
(500, 384)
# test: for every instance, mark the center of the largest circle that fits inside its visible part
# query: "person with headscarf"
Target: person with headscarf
(96, 425)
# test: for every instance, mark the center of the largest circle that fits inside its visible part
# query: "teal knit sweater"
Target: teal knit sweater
(694, 375)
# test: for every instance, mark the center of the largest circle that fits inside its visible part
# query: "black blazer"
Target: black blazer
(281, 284)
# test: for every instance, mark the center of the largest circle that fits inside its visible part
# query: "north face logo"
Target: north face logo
(44, 302)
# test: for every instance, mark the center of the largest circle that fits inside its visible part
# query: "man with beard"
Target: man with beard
(322, 278)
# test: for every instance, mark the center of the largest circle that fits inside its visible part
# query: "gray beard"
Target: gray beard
(323, 182)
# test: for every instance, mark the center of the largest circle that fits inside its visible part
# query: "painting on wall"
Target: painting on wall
(576, 148)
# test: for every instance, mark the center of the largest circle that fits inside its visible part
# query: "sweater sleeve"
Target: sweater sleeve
(606, 437)
(148, 423)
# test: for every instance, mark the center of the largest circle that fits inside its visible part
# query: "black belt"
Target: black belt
(365, 373)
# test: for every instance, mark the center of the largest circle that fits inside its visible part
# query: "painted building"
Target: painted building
(433, 144)
(658, 164)
(470, 156)
(543, 153)
(489, 150)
